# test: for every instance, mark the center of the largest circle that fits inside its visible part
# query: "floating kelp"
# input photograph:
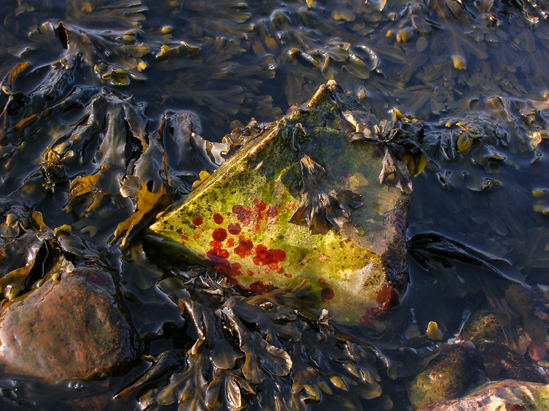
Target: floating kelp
(462, 59)
(254, 351)
(107, 13)
(30, 255)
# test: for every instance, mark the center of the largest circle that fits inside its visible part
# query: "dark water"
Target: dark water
(473, 69)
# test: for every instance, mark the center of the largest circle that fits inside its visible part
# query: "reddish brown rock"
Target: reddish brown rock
(67, 329)
(501, 363)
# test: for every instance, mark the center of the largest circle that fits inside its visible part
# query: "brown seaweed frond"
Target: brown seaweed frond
(322, 208)
(395, 144)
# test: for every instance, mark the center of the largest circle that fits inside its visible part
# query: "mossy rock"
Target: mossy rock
(302, 202)
(446, 377)
(483, 326)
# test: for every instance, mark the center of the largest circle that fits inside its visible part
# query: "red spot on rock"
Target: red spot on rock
(197, 221)
(217, 255)
(183, 238)
(230, 242)
(235, 269)
(218, 218)
(234, 228)
(327, 294)
(279, 255)
(321, 281)
(244, 214)
(244, 248)
(258, 287)
(225, 268)
(372, 317)
(272, 212)
(196, 236)
(288, 275)
(259, 205)
(250, 273)
(266, 256)
(219, 234)
(387, 297)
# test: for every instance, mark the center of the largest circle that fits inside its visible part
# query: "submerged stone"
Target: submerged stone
(444, 378)
(501, 363)
(504, 395)
(483, 326)
(67, 329)
(317, 197)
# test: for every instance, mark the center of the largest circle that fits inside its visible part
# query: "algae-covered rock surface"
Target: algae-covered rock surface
(445, 377)
(306, 199)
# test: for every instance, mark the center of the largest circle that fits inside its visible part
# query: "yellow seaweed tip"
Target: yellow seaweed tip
(464, 143)
(86, 7)
(11, 219)
(402, 36)
(433, 333)
(538, 192)
(65, 228)
(163, 50)
(459, 62)
(202, 176)
(397, 115)
(141, 66)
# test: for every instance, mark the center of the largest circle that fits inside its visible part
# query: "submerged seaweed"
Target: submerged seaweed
(256, 351)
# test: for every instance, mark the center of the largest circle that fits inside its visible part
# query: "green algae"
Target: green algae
(301, 202)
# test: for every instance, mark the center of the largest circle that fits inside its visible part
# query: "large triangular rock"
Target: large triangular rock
(303, 201)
